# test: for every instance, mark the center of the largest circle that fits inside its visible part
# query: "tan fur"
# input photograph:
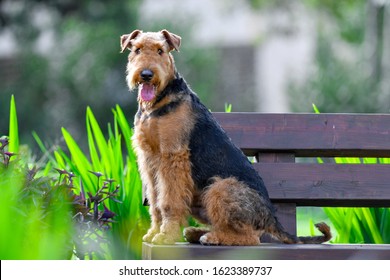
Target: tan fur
(222, 206)
(149, 58)
(161, 144)
(165, 121)
(163, 156)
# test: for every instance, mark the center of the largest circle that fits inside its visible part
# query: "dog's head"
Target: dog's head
(150, 66)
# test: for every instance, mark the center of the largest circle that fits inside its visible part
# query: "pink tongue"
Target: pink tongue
(147, 92)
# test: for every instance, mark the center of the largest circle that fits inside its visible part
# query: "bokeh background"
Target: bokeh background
(59, 56)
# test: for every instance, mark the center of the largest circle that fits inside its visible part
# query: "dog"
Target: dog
(188, 163)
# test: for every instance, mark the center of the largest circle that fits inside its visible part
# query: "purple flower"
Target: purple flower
(107, 214)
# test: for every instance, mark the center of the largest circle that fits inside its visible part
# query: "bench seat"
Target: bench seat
(267, 251)
(286, 148)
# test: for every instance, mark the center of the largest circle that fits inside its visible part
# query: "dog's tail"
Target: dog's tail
(279, 233)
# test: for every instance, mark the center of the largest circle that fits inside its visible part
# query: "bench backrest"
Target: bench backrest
(278, 141)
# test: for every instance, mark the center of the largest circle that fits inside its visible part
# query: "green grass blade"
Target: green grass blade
(39, 142)
(385, 224)
(42, 147)
(343, 160)
(125, 129)
(61, 164)
(228, 108)
(96, 164)
(13, 128)
(81, 163)
(97, 135)
(315, 108)
(371, 226)
(370, 160)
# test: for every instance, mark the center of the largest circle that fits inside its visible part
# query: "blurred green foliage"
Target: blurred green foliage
(35, 213)
(35, 217)
(337, 85)
(350, 17)
(348, 73)
(112, 158)
(82, 67)
(348, 14)
(93, 210)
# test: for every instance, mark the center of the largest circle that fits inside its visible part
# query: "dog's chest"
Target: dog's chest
(164, 134)
(147, 134)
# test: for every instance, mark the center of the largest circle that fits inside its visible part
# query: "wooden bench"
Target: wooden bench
(277, 141)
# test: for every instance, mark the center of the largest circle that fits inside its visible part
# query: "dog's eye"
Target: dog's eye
(160, 51)
(138, 51)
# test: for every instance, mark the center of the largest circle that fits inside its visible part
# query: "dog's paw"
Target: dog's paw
(163, 239)
(193, 234)
(149, 236)
(209, 239)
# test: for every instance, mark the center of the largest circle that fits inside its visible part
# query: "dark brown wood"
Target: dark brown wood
(287, 215)
(275, 157)
(276, 140)
(327, 184)
(310, 135)
(184, 251)
(286, 212)
(358, 185)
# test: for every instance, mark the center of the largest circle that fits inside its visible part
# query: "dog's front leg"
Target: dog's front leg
(155, 214)
(175, 194)
(147, 164)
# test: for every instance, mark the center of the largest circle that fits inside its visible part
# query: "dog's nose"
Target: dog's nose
(147, 75)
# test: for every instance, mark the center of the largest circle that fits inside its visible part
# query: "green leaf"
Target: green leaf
(370, 160)
(228, 108)
(385, 225)
(96, 164)
(95, 134)
(126, 130)
(59, 160)
(42, 146)
(315, 108)
(13, 128)
(81, 162)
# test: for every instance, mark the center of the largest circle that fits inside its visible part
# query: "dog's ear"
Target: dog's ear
(173, 40)
(126, 39)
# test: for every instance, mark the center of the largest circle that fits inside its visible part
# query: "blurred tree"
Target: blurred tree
(67, 57)
(351, 66)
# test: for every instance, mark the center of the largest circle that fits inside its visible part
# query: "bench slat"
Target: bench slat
(184, 251)
(309, 135)
(363, 185)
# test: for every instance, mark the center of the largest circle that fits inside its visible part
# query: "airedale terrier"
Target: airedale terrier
(188, 163)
